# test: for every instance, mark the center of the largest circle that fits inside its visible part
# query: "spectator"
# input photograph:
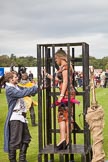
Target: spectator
(102, 79)
(30, 103)
(30, 76)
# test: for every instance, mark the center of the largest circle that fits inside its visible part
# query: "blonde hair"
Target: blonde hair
(62, 54)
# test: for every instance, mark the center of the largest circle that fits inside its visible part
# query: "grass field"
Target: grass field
(32, 154)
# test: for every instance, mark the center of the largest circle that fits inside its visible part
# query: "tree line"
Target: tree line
(30, 61)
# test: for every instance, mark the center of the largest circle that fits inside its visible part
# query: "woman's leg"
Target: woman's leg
(62, 127)
(67, 131)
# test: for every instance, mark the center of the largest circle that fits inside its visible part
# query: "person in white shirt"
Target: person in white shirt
(16, 132)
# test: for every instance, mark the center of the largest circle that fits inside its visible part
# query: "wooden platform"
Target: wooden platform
(75, 149)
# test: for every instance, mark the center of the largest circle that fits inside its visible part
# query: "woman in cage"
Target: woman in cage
(61, 78)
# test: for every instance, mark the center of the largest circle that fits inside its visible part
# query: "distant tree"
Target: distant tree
(27, 61)
(4, 61)
(13, 57)
(30, 61)
(106, 66)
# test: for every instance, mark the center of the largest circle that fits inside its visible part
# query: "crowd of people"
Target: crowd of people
(100, 79)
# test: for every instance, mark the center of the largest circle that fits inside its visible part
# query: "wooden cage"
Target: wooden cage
(48, 129)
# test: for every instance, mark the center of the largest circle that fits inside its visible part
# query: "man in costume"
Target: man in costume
(30, 103)
(16, 132)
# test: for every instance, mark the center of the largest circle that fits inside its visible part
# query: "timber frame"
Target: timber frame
(48, 130)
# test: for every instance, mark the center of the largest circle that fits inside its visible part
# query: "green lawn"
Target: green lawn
(102, 98)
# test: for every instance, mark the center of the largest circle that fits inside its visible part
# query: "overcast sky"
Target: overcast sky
(26, 23)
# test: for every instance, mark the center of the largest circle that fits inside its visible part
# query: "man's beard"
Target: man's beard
(16, 83)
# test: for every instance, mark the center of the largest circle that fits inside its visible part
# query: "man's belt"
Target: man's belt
(21, 113)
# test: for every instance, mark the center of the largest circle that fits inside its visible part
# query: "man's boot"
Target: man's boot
(23, 151)
(12, 155)
(32, 116)
(33, 121)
